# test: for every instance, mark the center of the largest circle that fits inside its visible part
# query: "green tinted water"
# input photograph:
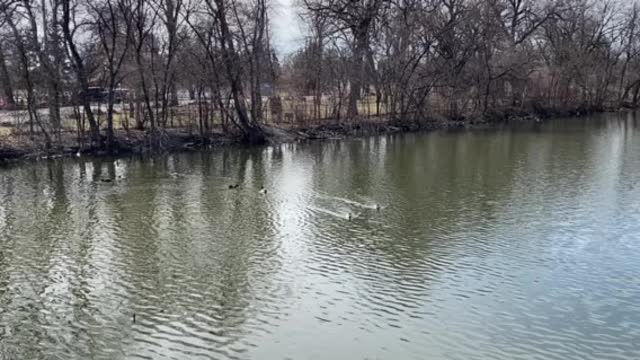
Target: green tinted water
(503, 244)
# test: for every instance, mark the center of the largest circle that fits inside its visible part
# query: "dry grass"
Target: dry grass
(5, 131)
(299, 111)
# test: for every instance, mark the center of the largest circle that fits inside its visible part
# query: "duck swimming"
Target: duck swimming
(263, 191)
(349, 217)
(232, 186)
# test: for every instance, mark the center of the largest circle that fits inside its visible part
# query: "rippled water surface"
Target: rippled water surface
(501, 244)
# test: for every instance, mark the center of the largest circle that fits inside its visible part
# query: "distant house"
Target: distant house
(96, 94)
(266, 90)
(100, 94)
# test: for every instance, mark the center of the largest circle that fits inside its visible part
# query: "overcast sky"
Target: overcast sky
(286, 27)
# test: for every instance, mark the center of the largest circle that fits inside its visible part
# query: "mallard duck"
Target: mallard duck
(263, 191)
(349, 217)
(232, 186)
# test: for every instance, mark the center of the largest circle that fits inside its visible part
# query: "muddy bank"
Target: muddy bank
(372, 127)
(15, 147)
(23, 147)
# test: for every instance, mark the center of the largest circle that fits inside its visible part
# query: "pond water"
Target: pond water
(514, 243)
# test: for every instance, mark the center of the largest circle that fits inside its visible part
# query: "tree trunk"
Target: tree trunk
(145, 90)
(251, 130)
(80, 71)
(31, 99)
(5, 79)
(110, 101)
(357, 72)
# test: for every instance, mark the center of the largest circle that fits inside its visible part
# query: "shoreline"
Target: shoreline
(16, 148)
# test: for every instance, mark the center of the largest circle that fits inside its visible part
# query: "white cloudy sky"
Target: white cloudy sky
(286, 27)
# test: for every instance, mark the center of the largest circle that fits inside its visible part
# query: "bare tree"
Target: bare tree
(169, 12)
(112, 24)
(358, 18)
(143, 20)
(70, 28)
(229, 24)
(12, 11)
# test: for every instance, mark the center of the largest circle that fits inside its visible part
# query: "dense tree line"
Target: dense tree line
(57, 51)
(459, 57)
(406, 59)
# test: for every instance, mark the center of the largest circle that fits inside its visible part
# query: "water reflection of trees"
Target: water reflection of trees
(166, 241)
(199, 240)
(199, 262)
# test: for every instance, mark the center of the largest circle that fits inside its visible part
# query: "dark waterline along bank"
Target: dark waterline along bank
(136, 142)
